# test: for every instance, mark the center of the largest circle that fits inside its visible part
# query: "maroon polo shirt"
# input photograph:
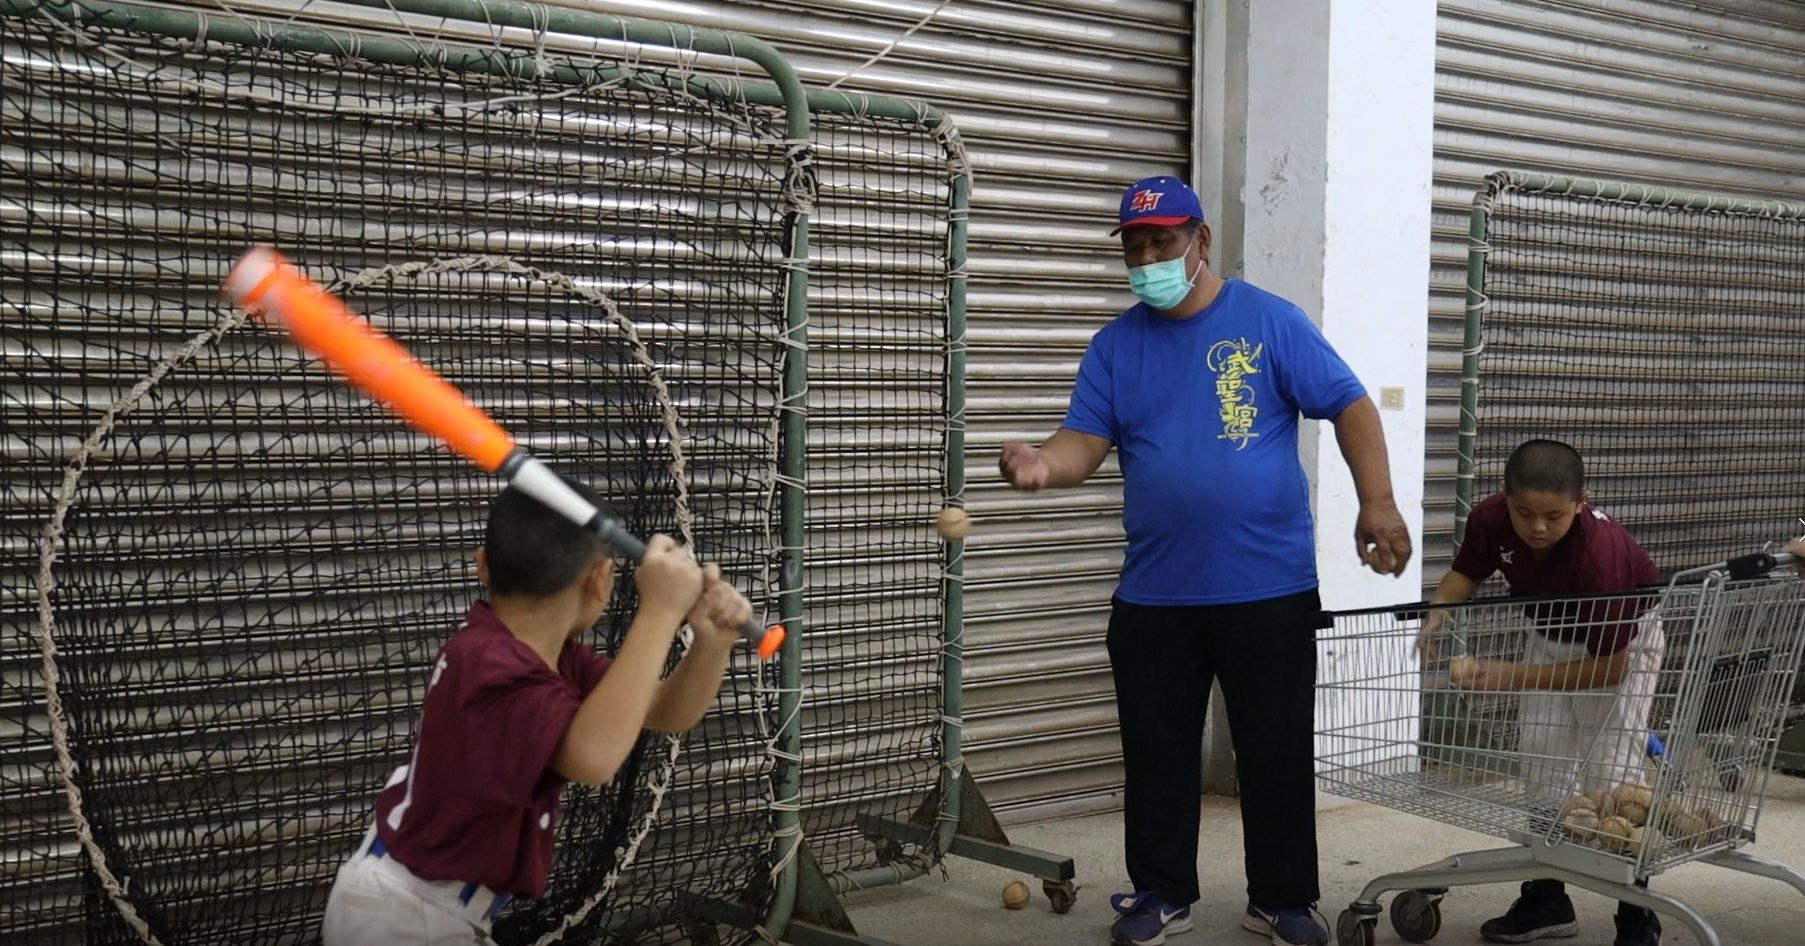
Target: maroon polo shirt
(479, 800)
(1596, 556)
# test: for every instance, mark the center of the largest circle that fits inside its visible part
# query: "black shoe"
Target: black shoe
(1637, 927)
(1537, 914)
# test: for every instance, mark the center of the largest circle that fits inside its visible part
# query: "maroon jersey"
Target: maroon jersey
(478, 799)
(1596, 556)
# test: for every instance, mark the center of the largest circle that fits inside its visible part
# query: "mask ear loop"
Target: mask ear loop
(1191, 278)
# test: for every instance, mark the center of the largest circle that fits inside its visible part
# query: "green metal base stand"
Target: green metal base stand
(978, 837)
(818, 918)
(815, 919)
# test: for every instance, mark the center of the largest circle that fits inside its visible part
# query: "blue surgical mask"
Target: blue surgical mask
(1164, 284)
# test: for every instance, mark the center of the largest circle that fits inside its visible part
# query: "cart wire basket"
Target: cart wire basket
(1608, 738)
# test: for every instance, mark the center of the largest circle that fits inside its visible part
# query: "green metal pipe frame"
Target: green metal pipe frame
(952, 661)
(786, 92)
(953, 644)
(1469, 363)
(1485, 202)
(1624, 193)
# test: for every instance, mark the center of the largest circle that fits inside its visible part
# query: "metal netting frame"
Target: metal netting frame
(1502, 184)
(946, 798)
(1485, 202)
(961, 822)
(955, 820)
(786, 93)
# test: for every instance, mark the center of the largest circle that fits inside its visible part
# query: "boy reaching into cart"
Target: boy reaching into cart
(1588, 671)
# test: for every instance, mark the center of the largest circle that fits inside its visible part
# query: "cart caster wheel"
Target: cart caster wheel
(1416, 916)
(1061, 894)
(1353, 929)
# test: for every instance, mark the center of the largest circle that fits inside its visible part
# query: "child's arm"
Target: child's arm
(608, 724)
(1586, 673)
(1610, 626)
(691, 689)
(1453, 589)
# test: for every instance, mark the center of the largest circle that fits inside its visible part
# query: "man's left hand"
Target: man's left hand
(1381, 540)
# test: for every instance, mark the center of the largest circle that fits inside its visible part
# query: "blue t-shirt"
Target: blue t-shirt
(1203, 413)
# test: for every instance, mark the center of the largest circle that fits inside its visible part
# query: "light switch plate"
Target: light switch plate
(1391, 399)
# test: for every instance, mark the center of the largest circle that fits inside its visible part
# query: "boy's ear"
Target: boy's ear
(1585, 498)
(598, 582)
(482, 565)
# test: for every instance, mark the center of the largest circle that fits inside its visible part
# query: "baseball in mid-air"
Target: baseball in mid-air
(954, 524)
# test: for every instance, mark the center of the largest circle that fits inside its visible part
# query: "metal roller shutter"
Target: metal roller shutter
(1061, 104)
(1708, 96)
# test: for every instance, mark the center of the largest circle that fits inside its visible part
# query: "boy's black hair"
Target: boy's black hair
(534, 552)
(1546, 466)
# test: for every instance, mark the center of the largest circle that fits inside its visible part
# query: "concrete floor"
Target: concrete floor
(1357, 842)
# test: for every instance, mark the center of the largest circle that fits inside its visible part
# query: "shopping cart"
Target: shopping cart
(1598, 786)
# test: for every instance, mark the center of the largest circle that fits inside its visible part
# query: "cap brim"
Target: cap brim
(1152, 222)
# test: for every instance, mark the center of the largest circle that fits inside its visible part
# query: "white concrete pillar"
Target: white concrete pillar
(1316, 123)
(1324, 175)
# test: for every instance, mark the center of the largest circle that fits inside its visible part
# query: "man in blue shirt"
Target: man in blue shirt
(1199, 388)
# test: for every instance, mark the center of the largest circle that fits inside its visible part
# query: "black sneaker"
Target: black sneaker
(1539, 913)
(1637, 927)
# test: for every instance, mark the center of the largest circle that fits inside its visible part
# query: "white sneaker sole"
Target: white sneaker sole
(1173, 928)
(1254, 924)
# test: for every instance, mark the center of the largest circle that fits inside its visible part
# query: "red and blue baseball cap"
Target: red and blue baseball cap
(1158, 202)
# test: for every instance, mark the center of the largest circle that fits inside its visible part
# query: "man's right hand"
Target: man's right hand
(669, 580)
(720, 610)
(1023, 466)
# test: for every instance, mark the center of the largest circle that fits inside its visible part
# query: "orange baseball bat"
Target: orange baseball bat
(265, 283)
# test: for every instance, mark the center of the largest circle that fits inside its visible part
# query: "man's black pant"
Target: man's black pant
(1263, 653)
